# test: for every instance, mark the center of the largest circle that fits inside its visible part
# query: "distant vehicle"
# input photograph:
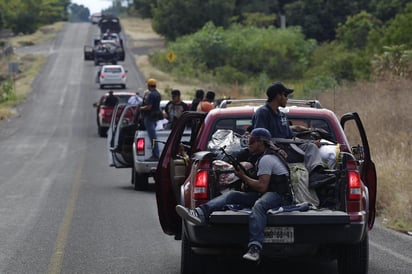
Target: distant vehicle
(112, 37)
(104, 112)
(109, 23)
(95, 18)
(112, 75)
(104, 51)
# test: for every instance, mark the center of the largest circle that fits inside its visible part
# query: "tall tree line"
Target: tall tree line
(317, 18)
(26, 16)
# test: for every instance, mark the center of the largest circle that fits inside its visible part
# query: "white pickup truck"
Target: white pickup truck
(130, 147)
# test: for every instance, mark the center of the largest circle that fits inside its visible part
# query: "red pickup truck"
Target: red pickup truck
(337, 228)
(104, 112)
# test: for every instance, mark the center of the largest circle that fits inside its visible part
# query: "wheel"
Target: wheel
(124, 86)
(188, 259)
(133, 172)
(354, 259)
(101, 86)
(102, 131)
(140, 181)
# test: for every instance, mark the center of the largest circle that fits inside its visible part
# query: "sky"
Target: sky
(94, 5)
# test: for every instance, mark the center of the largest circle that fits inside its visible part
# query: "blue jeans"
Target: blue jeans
(150, 126)
(259, 204)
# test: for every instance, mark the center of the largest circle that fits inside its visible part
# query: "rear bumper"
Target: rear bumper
(144, 167)
(112, 81)
(313, 228)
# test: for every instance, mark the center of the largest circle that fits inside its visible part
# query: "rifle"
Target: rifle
(233, 161)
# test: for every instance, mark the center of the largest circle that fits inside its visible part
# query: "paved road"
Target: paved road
(63, 210)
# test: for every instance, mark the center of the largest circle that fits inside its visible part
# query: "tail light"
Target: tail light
(200, 190)
(354, 181)
(355, 186)
(123, 74)
(106, 112)
(140, 146)
(101, 75)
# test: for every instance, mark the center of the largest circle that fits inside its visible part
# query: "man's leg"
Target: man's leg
(151, 131)
(314, 165)
(257, 223)
(200, 215)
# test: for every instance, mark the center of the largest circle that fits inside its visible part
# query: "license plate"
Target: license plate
(279, 235)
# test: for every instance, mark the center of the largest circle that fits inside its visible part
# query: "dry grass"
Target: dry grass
(385, 110)
(45, 33)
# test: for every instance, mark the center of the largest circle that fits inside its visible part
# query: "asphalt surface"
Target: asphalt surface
(64, 210)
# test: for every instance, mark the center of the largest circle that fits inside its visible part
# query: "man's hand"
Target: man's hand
(317, 143)
(283, 153)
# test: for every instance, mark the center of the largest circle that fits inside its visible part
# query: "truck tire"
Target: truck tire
(140, 181)
(102, 131)
(354, 259)
(188, 259)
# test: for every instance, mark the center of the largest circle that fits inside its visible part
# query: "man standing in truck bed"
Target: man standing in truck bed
(272, 189)
(151, 114)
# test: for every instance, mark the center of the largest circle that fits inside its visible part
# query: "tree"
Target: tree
(385, 10)
(144, 7)
(26, 16)
(399, 30)
(79, 13)
(319, 18)
(174, 18)
(355, 31)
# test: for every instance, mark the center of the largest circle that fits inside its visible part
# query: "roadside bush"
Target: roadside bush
(6, 92)
(334, 61)
(230, 75)
(240, 53)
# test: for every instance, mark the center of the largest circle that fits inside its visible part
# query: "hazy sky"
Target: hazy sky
(94, 5)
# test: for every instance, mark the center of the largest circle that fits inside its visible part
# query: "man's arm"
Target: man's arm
(260, 185)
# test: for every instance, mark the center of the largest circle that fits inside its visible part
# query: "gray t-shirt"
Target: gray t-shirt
(270, 164)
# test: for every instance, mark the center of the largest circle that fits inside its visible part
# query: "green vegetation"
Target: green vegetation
(364, 48)
(27, 16)
(239, 54)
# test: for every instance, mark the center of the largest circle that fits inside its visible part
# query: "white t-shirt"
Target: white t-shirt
(270, 164)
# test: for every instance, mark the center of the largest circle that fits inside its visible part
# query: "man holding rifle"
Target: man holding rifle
(272, 189)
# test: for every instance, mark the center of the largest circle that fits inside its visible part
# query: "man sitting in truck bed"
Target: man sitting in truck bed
(272, 189)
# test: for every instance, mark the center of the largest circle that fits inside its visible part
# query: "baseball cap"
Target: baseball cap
(151, 82)
(277, 88)
(263, 134)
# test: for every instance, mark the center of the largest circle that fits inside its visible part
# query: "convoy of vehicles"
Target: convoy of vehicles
(108, 47)
(337, 229)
